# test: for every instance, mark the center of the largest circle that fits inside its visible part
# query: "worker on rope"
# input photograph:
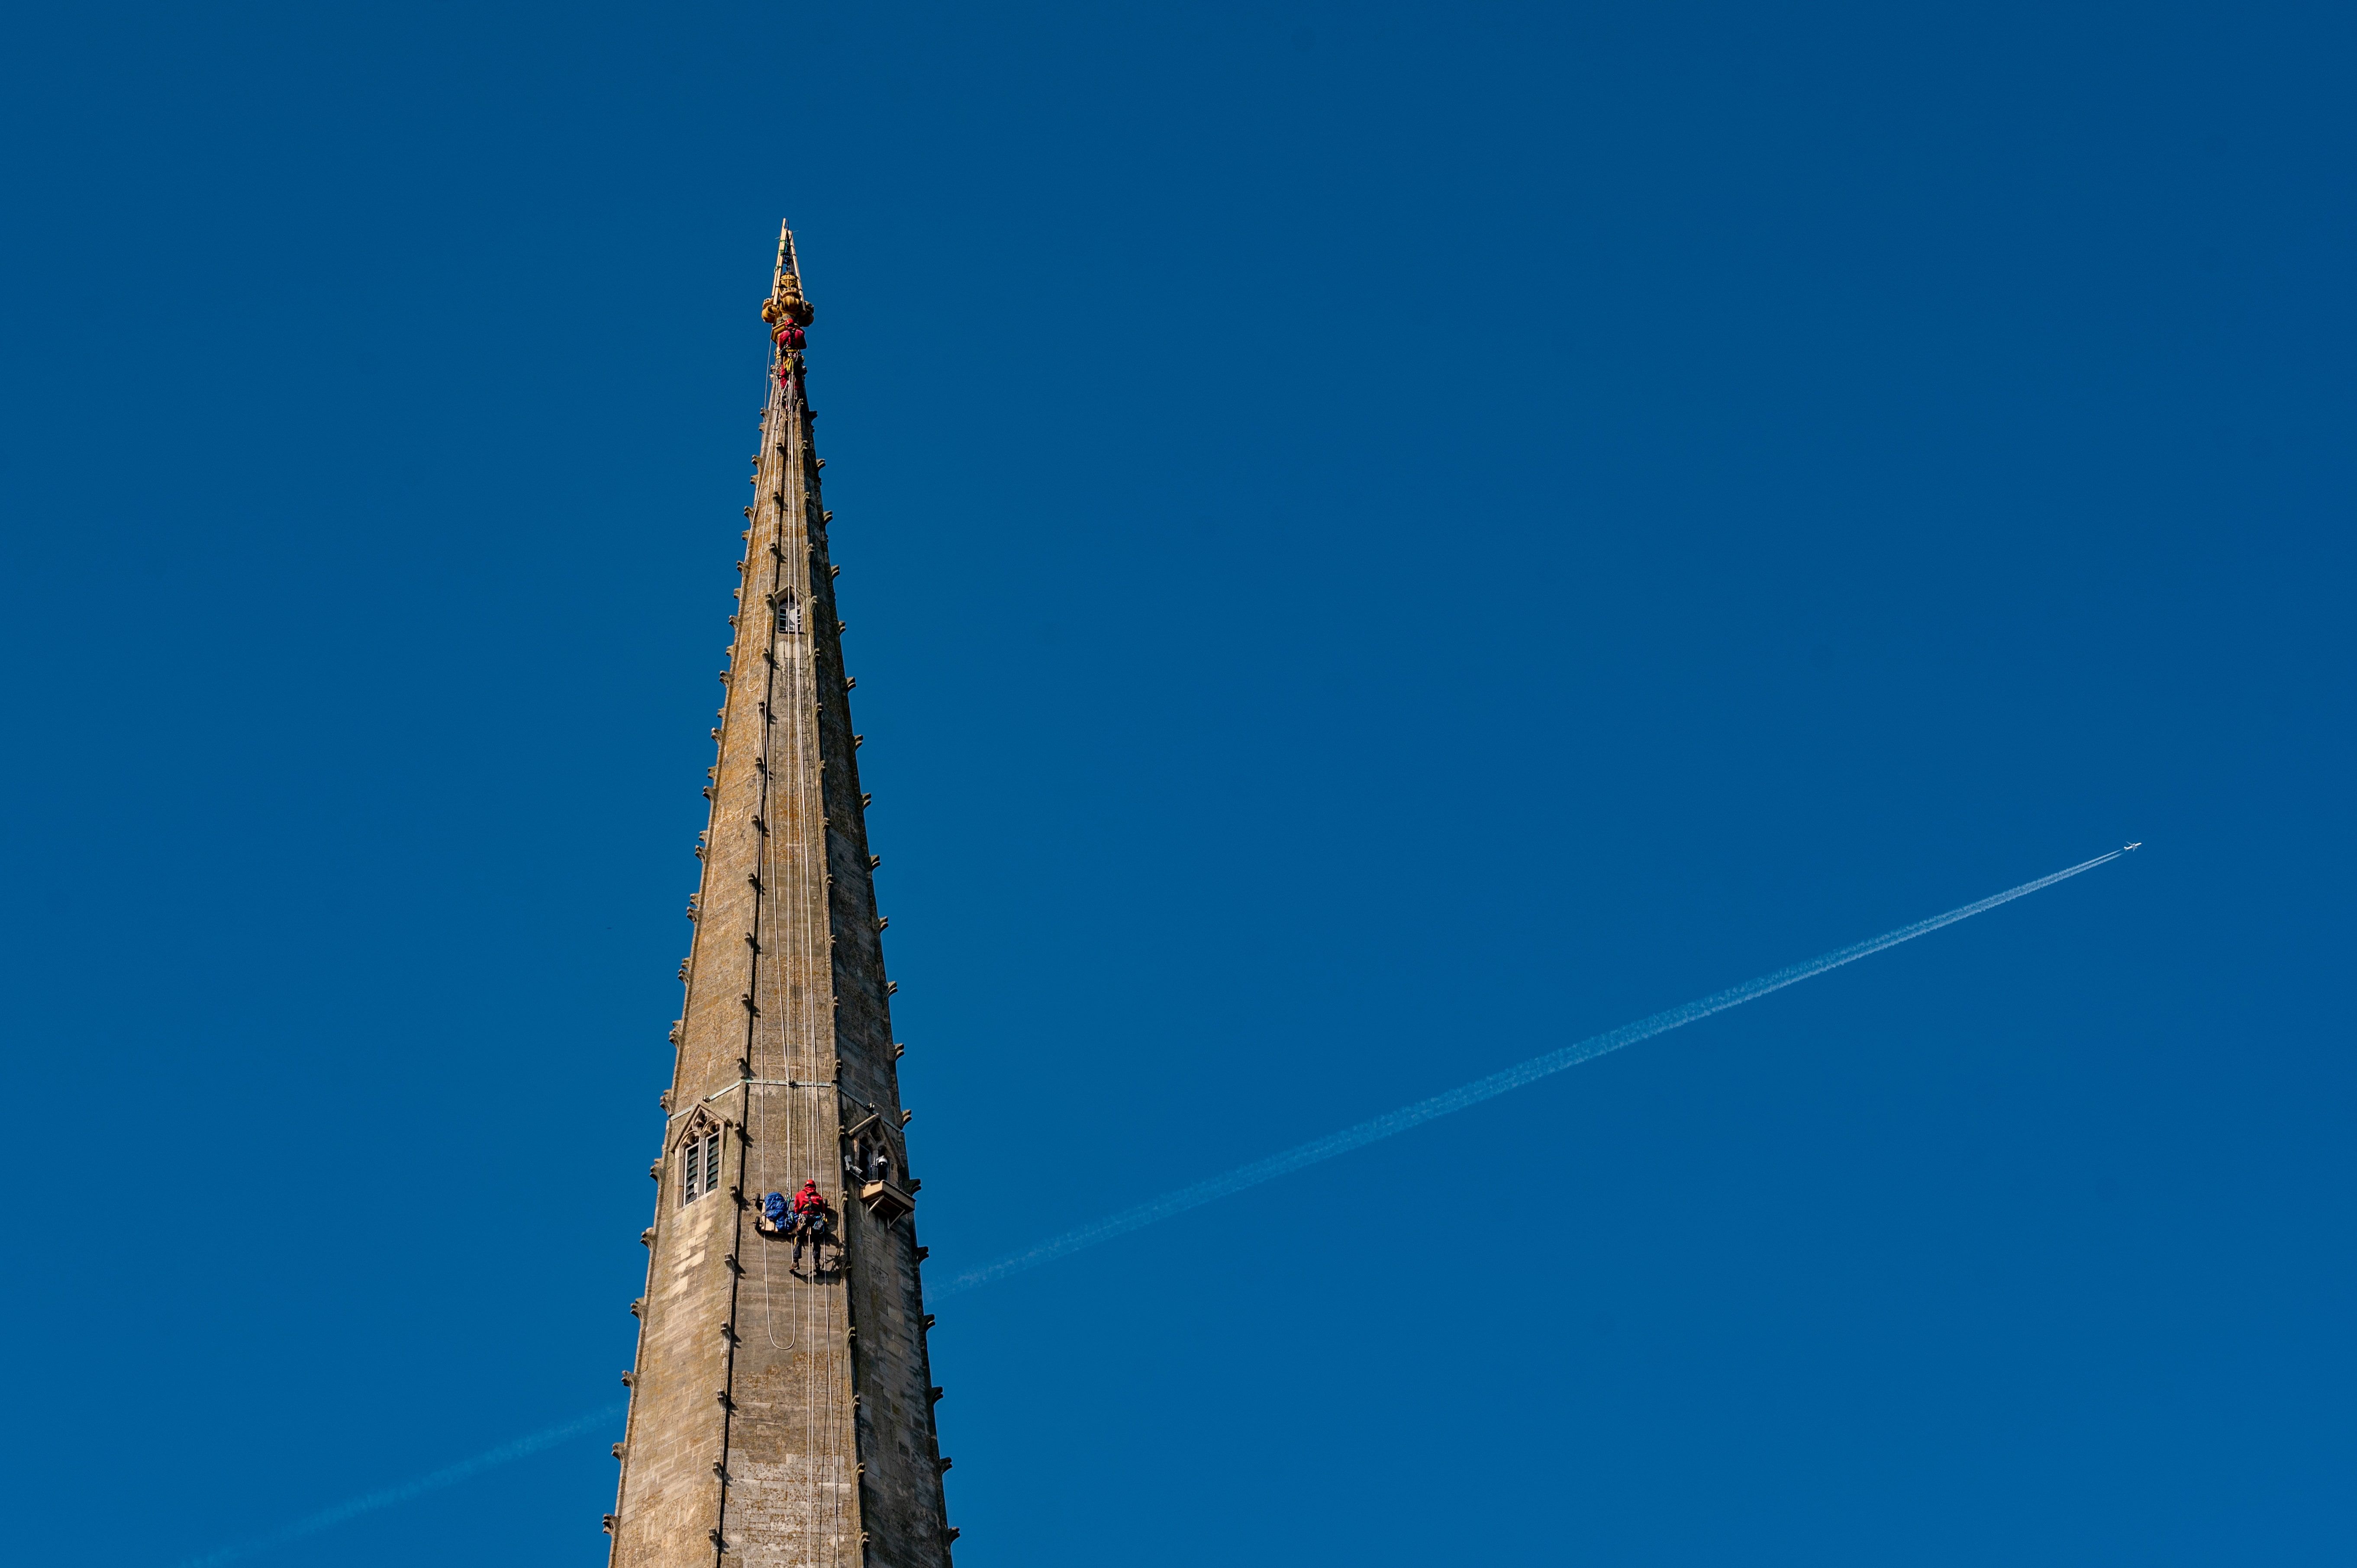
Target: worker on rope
(810, 1223)
(789, 339)
(787, 312)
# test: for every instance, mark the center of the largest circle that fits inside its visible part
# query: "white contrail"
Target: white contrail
(1479, 1089)
(1203, 1192)
(370, 1502)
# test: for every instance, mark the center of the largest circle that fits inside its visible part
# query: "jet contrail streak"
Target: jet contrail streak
(369, 1502)
(1481, 1089)
(1203, 1192)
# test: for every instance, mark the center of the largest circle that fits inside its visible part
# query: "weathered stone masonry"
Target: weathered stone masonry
(781, 1417)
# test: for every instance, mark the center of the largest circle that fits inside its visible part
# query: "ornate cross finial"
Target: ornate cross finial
(786, 301)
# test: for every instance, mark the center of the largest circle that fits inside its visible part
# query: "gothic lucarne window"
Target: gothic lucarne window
(878, 1170)
(699, 1165)
(870, 1158)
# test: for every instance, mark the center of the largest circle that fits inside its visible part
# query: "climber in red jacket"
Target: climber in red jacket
(809, 1221)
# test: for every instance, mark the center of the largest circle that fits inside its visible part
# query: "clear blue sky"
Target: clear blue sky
(1377, 542)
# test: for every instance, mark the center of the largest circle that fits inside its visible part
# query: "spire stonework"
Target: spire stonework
(782, 1404)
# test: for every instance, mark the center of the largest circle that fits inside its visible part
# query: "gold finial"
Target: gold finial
(786, 301)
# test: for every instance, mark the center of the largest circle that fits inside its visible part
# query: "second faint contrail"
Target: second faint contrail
(449, 1475)
(1482, 1088)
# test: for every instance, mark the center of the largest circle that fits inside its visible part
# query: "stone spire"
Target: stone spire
(781, 1408)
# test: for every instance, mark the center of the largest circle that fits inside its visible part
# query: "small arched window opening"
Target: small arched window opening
(790, 614)
(699, 1162)
(872, 1159)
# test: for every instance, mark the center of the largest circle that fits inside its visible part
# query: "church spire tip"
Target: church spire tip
(786, 301)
